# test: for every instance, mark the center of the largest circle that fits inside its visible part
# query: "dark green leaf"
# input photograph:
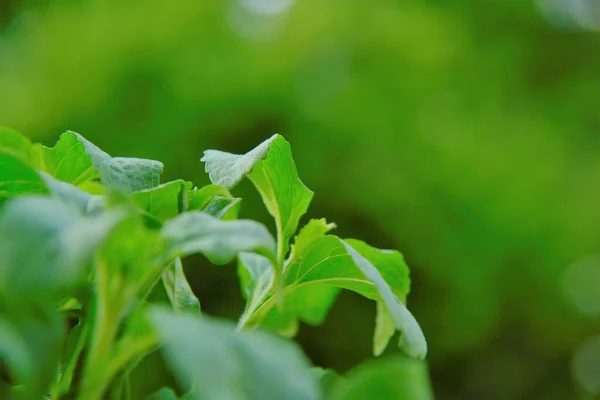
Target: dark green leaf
(225, 364)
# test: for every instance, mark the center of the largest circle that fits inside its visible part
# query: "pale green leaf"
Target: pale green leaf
(384, 329)
(198, 232)
(272, 170)
(235, 365)
(76, 160)
(388, 378)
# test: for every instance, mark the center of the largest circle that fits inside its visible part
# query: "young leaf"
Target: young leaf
(272, 170)
(332, 261)
(76, 160)
(17, 178)
(198, 198)
(178, 289)
(388, 378)
(225, 364)
(198, 232)
(309, 303)
(14, 142)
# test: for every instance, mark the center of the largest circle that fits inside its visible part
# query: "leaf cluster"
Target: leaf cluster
(92, 282)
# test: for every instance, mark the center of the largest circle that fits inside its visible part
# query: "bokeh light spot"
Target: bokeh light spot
(581, 284)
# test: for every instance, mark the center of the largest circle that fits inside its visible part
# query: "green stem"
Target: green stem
(106, 321)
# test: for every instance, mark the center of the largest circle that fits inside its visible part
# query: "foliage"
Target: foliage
(92, 283)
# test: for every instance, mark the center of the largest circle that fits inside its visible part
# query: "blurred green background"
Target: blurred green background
(464, 133)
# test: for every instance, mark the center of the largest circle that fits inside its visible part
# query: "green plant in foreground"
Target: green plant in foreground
(92, 283)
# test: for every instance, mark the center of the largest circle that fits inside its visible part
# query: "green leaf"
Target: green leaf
(309, 303)
(272, 170)
(332, 261)
(388, 378)
(47, 245)
(178, 288)
(14, 142)
(198, 232)
(17, 178)
(225, 364)
(224, 208)
(165, 201)
(76, 160)
(198, 199)
(313, 230)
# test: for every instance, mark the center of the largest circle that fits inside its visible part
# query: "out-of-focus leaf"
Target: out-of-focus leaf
(387, 378)
(46, 245)
(272, 170)
(76, 160)
(31, 343)
(13, 141)
(17, 178)
(222, 241)
(225, 364)
(178, 288)
(70, 194)
(164, 394)
(329, 380)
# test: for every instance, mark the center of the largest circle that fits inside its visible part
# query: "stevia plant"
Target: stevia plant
(92, 283)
